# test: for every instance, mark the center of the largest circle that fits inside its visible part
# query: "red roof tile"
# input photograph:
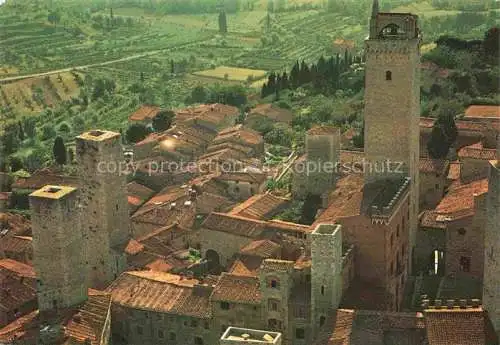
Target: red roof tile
(476, 151)
(234, 224)
(261, 248)
(237, 289)
(461, 198)
(323, 130)
(259, 206)
(483, 111)
(145, 112)
(428, 165)
(18, 268)
(273, 112)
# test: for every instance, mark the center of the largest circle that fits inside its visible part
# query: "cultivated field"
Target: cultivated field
(232, 73)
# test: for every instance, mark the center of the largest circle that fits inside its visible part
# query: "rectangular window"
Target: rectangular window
(194, 323)
(160, 334)
(172, 336)
(139, 330)
(272, 305)
(465, 264)
(300, 333)
(224, 305)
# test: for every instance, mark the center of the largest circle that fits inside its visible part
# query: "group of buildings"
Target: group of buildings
(108, 260)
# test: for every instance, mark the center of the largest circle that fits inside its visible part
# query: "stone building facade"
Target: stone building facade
(326, 272)
(58, 246)
(392, 102)
(491, 282)
(105, 206)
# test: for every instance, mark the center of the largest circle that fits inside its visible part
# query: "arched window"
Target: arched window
(388, 75)
(322, 289)
(273, 283)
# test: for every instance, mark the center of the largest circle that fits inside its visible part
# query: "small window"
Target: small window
(139, 330)
(465, 264)
(274, 283)
(392, 240)
(388, 75)
(397, 231)
(172, 336)
(198, 341)
(462, 231)
(160, 334)
(194, 323)
(272, 305)
(322, 290)
(206, 325)
(322, 320)
(436, 186)
(224, 305)
(300, 333)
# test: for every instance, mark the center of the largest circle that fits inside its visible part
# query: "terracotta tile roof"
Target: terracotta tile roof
(457, 327)
(15, 292)
(432, 219)
(4, 196)
(19, 268)
(139, 191)
(461, 198)
(276, 265)
(249, 177)
(89, 321)
(16, 244)
(282, 226)
(273, 112)
(477, 151)
(259, 206)
(323, 130)
(428, 165)
(242, 135)
(43, 178)
(237, 289)
(161, 292)
(365, 296)
(246, 266)
(160, 265)
(145, 112)
(261, 248)
(345, 201)
(133, 247)
(234, 224)
(483, 111)
(211, 113)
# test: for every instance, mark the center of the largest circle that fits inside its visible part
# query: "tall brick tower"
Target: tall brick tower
(392, 102)
(58, 250)
(104, 201)
(326, 272)
(491, 282)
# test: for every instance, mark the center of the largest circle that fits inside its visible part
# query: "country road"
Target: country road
(68, 69)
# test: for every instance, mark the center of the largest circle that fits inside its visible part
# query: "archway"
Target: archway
(213, 260)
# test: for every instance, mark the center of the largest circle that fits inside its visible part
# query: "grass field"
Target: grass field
(232, 73)
(424, 9)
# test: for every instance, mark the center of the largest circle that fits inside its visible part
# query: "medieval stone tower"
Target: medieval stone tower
(491, 282)
(392, 102)
(104, 201)
(58, 250)
(326, 272)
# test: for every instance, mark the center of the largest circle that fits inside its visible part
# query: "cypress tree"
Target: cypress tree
(59, 151)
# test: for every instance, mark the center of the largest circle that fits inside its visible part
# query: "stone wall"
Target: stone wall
(58, 246)
(431, 190)
(104, 201)
(491, 292)
(326, 272)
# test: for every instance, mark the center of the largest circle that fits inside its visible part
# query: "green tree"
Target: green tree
(29, 125)
(54, 17)
(222, 22)
(443, 135)
(199, 94)
(491, 42)
(163, 120)
(136, 132)
(59, 151)
(48, 132)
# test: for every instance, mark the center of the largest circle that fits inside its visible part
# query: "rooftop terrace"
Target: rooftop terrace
(235, 335)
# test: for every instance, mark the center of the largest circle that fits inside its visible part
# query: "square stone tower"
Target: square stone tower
(392, 102)
(105, 208)
(58, 249)
(323, 154)
(491, 282)
(326, 272)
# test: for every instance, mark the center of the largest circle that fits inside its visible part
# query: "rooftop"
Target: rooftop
(323, 130)
(273, 112)
(259, 206)
(234, 224)
(145, 112)
(251, 336)
(483, 111)
(477, 151)
(53, 192)
(435, 166)
(237, 289)
(461, 198)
